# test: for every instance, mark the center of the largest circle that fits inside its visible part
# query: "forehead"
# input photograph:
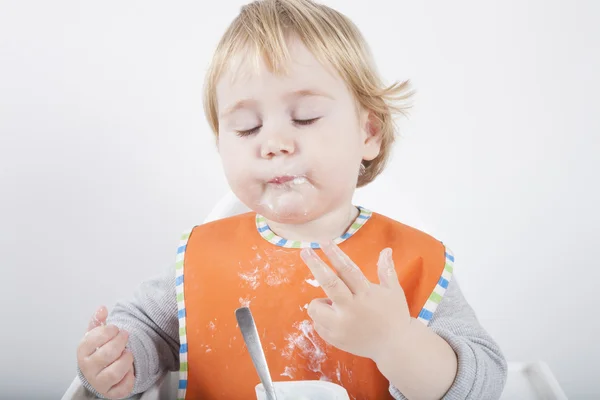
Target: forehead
(248, 75)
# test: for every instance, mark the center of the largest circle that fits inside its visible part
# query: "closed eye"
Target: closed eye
(306, 121)
(301, 122)
(249, 132)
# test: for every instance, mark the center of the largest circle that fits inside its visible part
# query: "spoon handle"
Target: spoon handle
(250, 334)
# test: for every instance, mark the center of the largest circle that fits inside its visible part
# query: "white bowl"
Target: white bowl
(304, 390)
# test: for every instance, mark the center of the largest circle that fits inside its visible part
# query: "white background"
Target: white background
(105, 157)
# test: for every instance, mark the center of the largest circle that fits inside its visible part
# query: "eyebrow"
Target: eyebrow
(307, 93)
(248, 103)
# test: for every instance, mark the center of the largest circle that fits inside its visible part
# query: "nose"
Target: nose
(277, 145)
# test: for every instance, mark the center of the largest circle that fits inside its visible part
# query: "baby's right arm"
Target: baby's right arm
(151, 320)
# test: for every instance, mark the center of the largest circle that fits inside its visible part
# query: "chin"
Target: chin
(284, 207)
(281, 212)
(286, 215)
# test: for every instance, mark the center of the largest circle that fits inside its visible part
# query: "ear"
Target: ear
(371, 136)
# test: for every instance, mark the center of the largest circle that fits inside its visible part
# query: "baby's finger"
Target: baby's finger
(111, 351)
(114, 376)
(96, 338)
(321, 312)
(98, 319)
(124, 388)
(325, 333)
(346, 268)
(386, 270)
(333, 286)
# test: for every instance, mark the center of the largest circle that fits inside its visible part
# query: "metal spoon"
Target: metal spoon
(250, 334)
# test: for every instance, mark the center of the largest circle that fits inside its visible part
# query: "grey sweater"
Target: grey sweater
(151, 320)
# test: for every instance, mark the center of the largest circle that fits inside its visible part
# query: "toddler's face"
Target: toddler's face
(291, 144)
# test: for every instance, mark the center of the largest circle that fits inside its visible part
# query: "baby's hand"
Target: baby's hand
(360, 317)
(103, 359)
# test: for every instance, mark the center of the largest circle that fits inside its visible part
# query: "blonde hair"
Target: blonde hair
(263, 26)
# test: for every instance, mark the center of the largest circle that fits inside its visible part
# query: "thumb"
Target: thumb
(98, 319)
(386, 269)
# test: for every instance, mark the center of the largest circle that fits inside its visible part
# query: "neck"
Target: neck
(327, 227)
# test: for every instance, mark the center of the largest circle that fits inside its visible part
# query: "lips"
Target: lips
(280, 180)
(288, 180)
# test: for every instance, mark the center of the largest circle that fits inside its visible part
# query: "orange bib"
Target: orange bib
(238, 262)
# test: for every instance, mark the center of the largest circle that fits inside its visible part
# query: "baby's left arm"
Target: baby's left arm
(482, 369)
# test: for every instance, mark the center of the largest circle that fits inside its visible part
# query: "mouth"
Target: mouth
(288, 179)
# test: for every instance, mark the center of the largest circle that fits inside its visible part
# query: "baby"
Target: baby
(339, 293)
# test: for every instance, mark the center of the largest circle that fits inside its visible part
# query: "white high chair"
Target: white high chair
(526, 381)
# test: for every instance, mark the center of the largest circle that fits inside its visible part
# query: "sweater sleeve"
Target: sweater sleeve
(482, 367)
(150, 317)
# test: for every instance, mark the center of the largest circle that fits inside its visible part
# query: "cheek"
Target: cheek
(337, 147)
(235, 159)
(336, 171)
